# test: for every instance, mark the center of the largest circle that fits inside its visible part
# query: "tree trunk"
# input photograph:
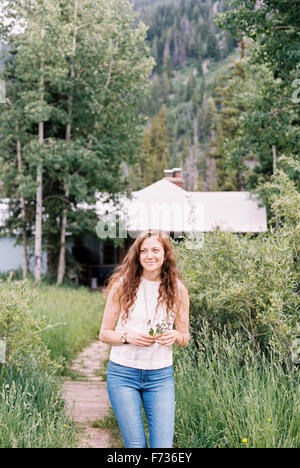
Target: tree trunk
(38, 214)
(23, 210)
(39, 191)
(243, 47)
(62, 253)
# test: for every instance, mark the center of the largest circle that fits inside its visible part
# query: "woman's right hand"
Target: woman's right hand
(139, 339)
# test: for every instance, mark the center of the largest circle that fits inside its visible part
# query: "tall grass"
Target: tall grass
(31, 410)
(229, 396)
(76, 314)
(32, 413)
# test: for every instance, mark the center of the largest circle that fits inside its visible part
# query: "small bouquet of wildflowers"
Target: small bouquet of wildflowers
(159, 328)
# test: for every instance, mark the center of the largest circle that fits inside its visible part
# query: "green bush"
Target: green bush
(250, 283)
(20, 328)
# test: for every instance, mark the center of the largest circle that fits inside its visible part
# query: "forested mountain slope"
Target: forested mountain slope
(188, 49)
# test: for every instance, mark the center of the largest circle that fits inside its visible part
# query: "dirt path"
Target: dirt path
(86, 397)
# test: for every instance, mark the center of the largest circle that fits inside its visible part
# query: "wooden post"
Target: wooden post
(89, 276)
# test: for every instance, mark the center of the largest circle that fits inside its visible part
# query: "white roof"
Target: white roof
(161, 191)
(232, 211)
(164, 205)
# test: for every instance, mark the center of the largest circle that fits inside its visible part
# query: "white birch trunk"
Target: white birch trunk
(62, 253)
(23, 211)
(39, 192)
(38, 214)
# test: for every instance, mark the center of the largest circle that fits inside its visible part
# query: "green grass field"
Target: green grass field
(227, 395)
(77, 313)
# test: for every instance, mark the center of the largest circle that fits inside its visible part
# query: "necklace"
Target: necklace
(158, 328)
(150, 323)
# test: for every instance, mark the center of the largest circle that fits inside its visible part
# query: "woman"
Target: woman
(146, 297)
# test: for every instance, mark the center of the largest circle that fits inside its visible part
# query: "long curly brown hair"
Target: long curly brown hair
(131, 271)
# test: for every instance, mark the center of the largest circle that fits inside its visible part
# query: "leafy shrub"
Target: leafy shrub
(244, 283)
(250, 283)
(21, 329)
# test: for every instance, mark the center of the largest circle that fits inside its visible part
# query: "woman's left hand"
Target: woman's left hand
(167, 338)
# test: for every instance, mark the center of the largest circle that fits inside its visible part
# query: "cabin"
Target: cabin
(165, 205)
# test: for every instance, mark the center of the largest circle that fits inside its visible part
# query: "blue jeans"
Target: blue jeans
(128, 388)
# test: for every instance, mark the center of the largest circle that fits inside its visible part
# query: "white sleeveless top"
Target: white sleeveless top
(155, 356)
